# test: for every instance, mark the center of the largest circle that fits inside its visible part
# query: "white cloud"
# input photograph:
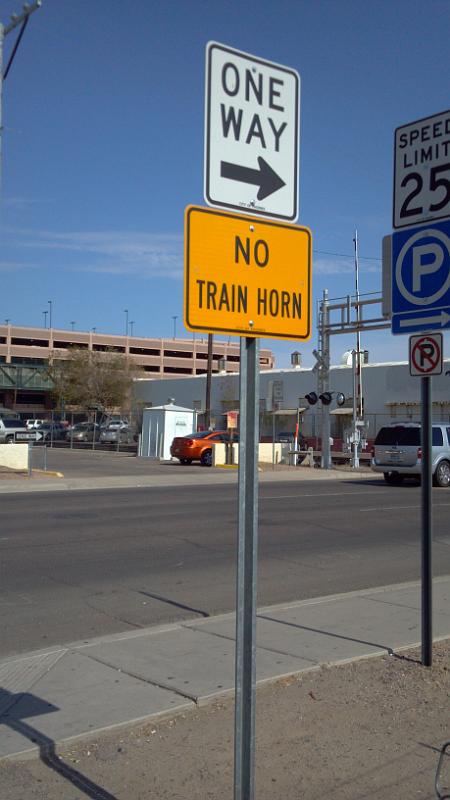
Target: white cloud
(114, 252)
(23, 202)
(342, 265)
(14, 266)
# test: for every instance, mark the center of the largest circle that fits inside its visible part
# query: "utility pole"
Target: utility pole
(359, 396)
(323, 378)
(356, 365)
(16, 19)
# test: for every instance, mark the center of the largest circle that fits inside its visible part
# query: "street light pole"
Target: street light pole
(175, 326)
(45, 318)
(50, 314)
(131, 327)
(125, 311)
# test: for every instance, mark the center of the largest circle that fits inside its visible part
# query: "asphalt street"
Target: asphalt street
(74, 565)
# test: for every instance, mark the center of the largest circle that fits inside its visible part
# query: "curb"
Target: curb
(48, 473)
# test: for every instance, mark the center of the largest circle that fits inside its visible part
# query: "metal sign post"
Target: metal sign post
(425, 360)
(420, 290)
(30, 458)
(244, 742)
(250, 277)
(427, 525)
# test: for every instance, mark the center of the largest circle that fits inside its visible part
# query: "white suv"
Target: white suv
(9, 428)
(397, 452)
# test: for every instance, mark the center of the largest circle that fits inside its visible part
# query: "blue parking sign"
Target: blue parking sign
(421, 278)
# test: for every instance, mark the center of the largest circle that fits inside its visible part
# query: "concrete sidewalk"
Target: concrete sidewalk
(63, 693)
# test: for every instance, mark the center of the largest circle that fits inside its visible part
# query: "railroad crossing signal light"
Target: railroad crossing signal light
(311, 398)
(325, 398)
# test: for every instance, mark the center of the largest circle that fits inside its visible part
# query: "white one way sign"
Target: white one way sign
(251, 134)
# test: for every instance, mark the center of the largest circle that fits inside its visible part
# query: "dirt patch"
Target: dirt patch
(7, 474)
(368, 729)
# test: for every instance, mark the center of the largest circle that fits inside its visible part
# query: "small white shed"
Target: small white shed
(160, 425)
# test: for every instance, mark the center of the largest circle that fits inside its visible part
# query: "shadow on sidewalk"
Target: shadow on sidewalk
(14, 708)
(389, 650)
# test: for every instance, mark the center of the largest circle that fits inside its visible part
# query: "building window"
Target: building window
(177, 353)
(29, 342)
(151, 369)
(67, 345)
(107, 348)
(144, 351)
(30, 398)
(178, 370)
(215, 356)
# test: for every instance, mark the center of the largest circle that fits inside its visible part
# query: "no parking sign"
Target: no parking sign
(425, 354)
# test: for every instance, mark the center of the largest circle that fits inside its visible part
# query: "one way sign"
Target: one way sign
(251, 134)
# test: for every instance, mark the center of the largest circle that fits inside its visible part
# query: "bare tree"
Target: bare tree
(92, 379)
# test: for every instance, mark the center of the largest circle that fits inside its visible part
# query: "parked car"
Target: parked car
(34, 423)
(52, 431)
(114, 423)
(114, 435)
(198, 446)
(397, 452)
(9, 428)
(83, 432)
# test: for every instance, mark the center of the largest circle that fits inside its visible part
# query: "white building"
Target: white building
(389, 394)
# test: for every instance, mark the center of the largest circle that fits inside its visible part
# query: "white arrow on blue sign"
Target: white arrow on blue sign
(421, 278)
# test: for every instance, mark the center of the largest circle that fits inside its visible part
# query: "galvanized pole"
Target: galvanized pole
(427, 524)
(355, 435)
(246, 590)
(359, 401)
(208, 382)
(324, 379)
(30, 458)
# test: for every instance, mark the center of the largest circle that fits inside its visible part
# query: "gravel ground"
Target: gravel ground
(365, 730)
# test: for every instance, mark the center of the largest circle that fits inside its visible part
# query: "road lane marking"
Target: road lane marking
(298, 496)
(403, 508)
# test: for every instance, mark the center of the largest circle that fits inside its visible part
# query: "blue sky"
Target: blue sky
(103, 115)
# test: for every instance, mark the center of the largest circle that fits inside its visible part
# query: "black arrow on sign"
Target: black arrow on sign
(264, 177)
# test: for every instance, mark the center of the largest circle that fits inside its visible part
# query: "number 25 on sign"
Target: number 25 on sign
(246, 276)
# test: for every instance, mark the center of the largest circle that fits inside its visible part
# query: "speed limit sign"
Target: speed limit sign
(422, 171)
